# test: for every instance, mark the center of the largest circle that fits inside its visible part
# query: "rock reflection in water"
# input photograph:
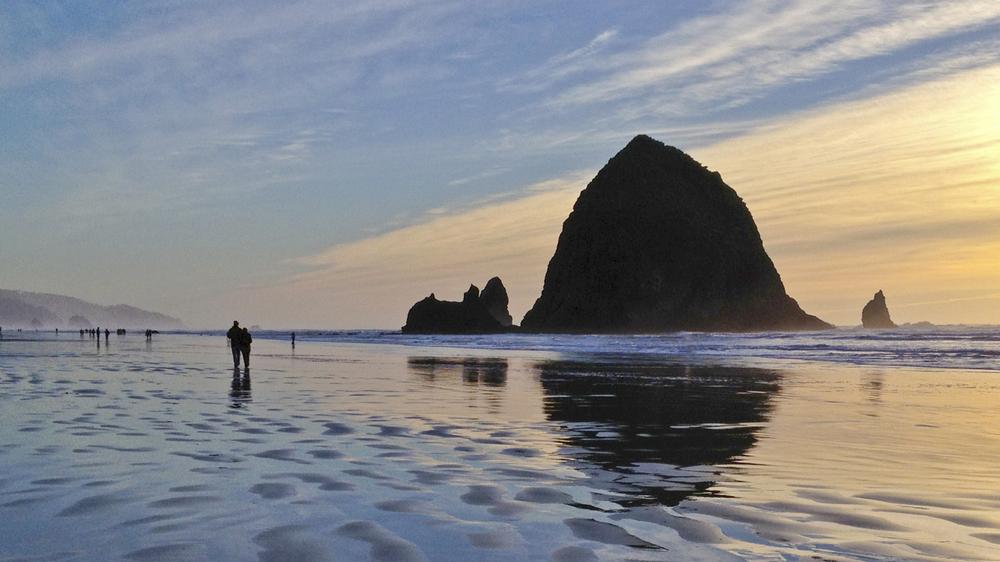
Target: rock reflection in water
(653, 431)
(475, 370)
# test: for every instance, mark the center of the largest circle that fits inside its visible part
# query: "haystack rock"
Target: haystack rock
(657, 242)
(477, 313)
(875, 314)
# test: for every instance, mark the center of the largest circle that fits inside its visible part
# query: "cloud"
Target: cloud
(178, 112)
(898, 192)
(190, 38)
(371, 283)
(750, 48)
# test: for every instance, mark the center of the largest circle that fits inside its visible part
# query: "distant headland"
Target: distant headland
(656, 243)
(23, 309)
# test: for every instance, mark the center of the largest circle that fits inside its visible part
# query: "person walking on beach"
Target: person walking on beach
(245, 340)
(235, 335)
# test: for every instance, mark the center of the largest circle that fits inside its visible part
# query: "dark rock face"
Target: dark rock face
(476, 314)
(494, 298)
(657, 242)
(875, 314)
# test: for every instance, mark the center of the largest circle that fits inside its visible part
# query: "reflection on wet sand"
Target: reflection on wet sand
(240, 389)
(355, 453)
(486, 378)
(653, 431)
(475, 370)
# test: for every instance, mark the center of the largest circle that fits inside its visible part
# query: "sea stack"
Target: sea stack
(494, 298)
(875, 314)
(657, 242)
(484, 313)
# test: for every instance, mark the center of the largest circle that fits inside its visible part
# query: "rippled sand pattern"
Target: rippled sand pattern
(156, 452)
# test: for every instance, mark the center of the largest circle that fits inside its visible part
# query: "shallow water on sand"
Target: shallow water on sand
(156, 451)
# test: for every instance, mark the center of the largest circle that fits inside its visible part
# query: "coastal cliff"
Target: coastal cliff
(24, 308)
(657, 242)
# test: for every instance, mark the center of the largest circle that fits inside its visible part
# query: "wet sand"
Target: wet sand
(160, 451)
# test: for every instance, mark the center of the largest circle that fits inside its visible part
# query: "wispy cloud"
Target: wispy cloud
(444, 253)
(897, 192)
(189, 40)
(364, 114)
(749, 48)
(189, 102)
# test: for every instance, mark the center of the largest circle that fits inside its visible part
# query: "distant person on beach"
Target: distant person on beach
(245, 340)
(235, 335)
(293, 339)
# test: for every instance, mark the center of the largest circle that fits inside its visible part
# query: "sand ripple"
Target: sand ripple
(287, 543)
(385, 546)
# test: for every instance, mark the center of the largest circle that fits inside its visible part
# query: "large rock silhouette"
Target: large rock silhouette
(484, 313)
(494, 298)
(657, 242)
(875, 314)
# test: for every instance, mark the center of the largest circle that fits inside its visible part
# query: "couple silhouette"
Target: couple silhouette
(239, 340)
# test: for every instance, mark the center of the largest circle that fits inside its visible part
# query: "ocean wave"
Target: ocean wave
(942, 347)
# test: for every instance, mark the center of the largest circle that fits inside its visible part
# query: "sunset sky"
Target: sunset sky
(326, 164)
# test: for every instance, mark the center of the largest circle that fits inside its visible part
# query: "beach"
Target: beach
(127, 449)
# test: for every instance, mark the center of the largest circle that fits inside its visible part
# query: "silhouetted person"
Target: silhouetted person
(235, 334)
(293, 339)
(245, 340)
(107, 334)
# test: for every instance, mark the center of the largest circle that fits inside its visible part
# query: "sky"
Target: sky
(326, 164)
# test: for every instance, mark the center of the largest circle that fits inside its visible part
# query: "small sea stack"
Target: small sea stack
(875, 314)
(477, 313)
(657, 242)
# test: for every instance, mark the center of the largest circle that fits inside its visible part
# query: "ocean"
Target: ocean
(839, 445)
(948, 347)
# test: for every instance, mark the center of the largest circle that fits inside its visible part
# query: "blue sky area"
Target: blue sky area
(199, 158)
